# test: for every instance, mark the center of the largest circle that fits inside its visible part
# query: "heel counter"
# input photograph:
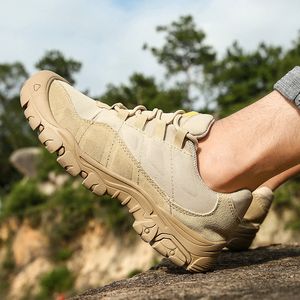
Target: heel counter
(241, 201)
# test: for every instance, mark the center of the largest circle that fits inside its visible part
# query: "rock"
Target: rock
(47, 188)
(98, 257)
(28, 244)
(274, 229)
(102, 257)
(54, 182)
(25, 160)
(7, 228)
(58, 179)
(28, 278)
(264, 273)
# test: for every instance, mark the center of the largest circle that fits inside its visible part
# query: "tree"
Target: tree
(143, 90)
(13, 133)
(241, 77)
(55, 61)
(185, 55)
(14, 130)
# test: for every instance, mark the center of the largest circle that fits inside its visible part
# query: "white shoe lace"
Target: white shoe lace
(156, 113)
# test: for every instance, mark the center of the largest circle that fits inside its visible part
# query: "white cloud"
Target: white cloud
(107, 36)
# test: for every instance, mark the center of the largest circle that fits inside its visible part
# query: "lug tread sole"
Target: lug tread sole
(153, 226)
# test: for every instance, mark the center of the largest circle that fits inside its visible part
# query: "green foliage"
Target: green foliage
(134, 272)
(143, 90)
(194, 74)
(285, 193)
(242, 77)
(185, 53)
(63, 254)
(11, 78)
(47, 163)
(23, 197)
(55, 61)
(155, 261)
(14, 130)
(114, 215)
(59, 280)
(7, 267)
(184, 47)
(287, 196)
(13, 133)
(70, 209)
(64, 214)
(8, 264)
(74, 206)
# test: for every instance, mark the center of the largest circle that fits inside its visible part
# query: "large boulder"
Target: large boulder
(25, 160)
(264, 273)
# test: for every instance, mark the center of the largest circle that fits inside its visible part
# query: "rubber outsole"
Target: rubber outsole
(162, 231)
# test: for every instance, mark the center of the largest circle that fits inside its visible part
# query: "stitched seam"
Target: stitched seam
(140, 158)
(198, 177)
(111, 148)
(172, 174)
(190, 213)
(157, 139)
(172, 179)
(154, 185)
(120, 142)
(73, 112)
(91, 122)
(83, 133)
(233, 211)
(175, 206)
(262, 206)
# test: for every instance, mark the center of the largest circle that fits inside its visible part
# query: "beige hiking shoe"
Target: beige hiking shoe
(146, 159)
(254, 217)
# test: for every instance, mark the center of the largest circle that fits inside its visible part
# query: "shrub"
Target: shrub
(7, 268)
(75, 206)
(287, 196)
(58, 280)
(63, 254)
(134, 272)
(114, 215)
(23, 197)
(47, 163)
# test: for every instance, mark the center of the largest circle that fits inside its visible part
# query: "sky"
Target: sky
(107, 36)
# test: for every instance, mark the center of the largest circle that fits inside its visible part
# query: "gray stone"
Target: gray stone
(25, 160)
(264, 273)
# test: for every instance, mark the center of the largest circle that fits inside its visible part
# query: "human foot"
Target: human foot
(254, 217)
(146, 159)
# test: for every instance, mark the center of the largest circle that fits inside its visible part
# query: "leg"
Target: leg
(262, 199)
(255, 144)
(247, 148)
(281, 178)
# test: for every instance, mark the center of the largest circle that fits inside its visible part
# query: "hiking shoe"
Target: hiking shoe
(254, 217)
(146, 159)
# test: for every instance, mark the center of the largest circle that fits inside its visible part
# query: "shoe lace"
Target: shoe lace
(156, 113)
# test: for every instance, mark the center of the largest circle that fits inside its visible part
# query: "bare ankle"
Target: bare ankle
(210, 160)
(219, 165)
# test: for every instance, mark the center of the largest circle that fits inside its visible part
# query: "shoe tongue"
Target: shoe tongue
(196, 124)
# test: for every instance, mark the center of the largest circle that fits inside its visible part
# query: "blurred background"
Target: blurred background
(56, 238)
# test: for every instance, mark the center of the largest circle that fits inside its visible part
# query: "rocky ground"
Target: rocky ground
(264, 273)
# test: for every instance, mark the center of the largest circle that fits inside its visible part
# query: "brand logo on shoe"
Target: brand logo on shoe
(36, 87)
